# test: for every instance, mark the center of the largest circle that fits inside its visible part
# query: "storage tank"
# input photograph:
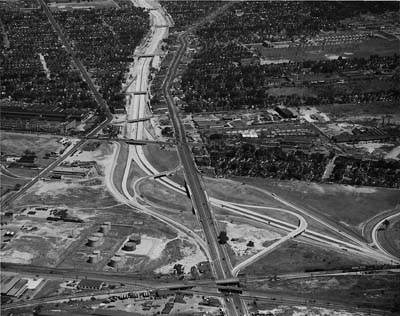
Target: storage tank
(135, 238)
(93, 241)
(100, 235)
(129, 246)
(104, 229)
(93, 259)
(115, 262)
(96, 253)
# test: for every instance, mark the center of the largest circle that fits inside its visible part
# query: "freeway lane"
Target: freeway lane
(198, 196)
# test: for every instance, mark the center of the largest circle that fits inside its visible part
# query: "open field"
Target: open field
(72, 194)
(236, 192)
(135, 172)
(165, 197)
(295, 256)
(161, 159)
(389, 237)
(374, 291)
(346, 206)
(349, 112)
(168, 202)
(120, 166)
(369, 47)
(17, 143)
(14, 144)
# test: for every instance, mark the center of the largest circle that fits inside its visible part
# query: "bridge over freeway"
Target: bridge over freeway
(142, 119)
(132, 141)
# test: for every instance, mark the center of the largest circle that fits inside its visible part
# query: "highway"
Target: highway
(137, 114)
(220, 260)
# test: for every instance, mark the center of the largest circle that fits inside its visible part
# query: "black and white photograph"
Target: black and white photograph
(199, 158)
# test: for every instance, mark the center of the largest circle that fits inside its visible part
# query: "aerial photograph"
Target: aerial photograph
(190, 157)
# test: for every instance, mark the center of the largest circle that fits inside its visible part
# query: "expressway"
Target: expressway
(135, 128)
(136, 109)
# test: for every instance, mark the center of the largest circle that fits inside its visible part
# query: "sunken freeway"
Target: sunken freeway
(220, 261)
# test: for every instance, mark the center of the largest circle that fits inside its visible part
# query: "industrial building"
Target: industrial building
(13, 286)
(88, 284)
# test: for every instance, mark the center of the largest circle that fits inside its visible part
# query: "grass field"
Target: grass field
(163, 196)
(365, 49)
(161, 159)
(346, 206)
(389, 238)
(120, 166)
(349, 111)
(294, 256)
(17, 143)
(236, 192)
(373, 291)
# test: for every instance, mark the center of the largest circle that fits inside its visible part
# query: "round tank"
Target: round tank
(100, 235)
(93, 259)
(104, 229)
(93, 241)
(129, 246)
(115, 261)
(135, 238)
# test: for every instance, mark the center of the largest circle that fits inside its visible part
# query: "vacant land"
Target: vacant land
(344, 205)
(365, 49)
(377, 291)
(159, 194)
(246, 238)
(175, 205)
(349, 112)
(161, 159)
(294, 256)
(120, 166)
(15, 144)
(238, 192)
(72, 194)
(39, 242)
(389, 237)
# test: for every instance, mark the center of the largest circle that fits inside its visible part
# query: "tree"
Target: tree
(250, 244)
(386, 223)
(223, 237)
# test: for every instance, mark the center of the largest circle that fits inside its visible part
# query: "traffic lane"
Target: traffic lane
(210, 231)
